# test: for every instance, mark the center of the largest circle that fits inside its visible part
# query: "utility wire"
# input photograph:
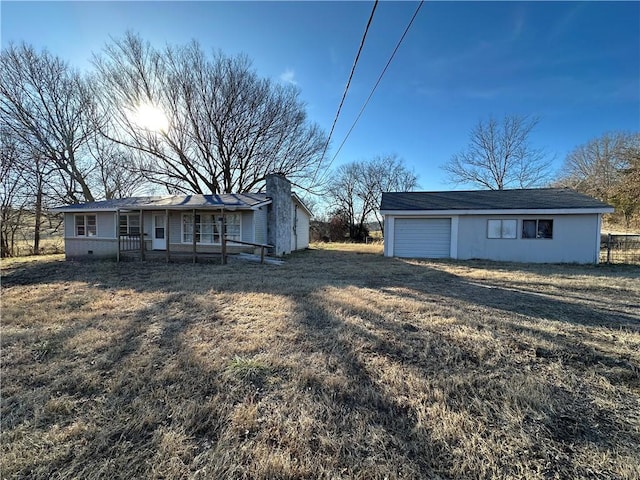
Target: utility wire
(346, 89)
(378, 82)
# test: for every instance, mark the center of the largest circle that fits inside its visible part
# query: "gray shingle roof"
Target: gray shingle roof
(238, 201)
(529, 199)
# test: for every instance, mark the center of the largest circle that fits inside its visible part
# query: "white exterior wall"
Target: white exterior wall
(91, 247)
(105, 224)
(175, 228)
(260, 225)
(576, 239)
(103, 245)
(247, 233)
(68, 225)
(300, 227)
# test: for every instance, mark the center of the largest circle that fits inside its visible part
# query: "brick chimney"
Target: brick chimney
(279, 214)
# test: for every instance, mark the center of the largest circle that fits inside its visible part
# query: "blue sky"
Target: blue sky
(576, 65)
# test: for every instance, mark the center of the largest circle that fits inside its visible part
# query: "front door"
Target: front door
(159, 242)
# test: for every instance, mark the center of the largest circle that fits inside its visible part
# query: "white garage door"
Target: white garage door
(422, 237)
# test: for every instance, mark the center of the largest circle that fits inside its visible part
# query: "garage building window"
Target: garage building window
(502, 228)
(537, 228)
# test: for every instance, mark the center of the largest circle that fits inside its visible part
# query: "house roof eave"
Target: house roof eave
(502, 211)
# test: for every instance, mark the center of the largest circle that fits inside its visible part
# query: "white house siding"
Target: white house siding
(68, 225)
(246, 227)
(105, 224)
(422, 237)
(91, 247)
(175, 228)
(300, 227)
(102, 245)
(260, 225)
(574, 240)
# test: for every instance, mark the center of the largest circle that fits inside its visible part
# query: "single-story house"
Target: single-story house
(191, 225)
(547, 225)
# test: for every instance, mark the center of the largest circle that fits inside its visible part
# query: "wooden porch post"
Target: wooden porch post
(141, 235)
(223, 241)
(194, 235)
(166, 233)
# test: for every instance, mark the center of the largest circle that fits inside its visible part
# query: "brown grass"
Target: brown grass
(337, 364)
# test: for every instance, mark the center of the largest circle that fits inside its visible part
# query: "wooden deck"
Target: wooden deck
(133, 247)
(161, 256)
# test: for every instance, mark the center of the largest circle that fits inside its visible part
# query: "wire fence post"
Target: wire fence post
(608, 248)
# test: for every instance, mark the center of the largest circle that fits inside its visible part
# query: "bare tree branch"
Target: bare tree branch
(46, 105)
(228, 128)
(355, 189)
(499, 156)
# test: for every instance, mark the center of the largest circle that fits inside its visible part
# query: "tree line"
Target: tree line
(179, 120)
(500, 155)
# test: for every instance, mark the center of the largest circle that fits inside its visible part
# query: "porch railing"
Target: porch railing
(129, 242)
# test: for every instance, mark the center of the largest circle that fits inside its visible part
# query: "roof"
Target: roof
(503, 200)
(228, 201)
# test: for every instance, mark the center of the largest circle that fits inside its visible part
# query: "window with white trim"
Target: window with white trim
(502, 228)
(85, 225)
(207, 228)
(129, 224)
(538, 228)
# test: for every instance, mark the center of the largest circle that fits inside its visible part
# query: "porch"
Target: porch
(136, 247)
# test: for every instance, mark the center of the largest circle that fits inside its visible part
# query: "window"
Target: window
(159, 226)
(207, 228)
(129, 224)
(502, 228)
(85, 225)
(537, 229)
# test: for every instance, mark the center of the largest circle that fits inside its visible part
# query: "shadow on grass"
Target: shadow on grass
(146, 386)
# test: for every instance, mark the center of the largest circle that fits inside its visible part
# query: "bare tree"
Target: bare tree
(226, 129)
(116, 175)
(45, 104)
(13, 191)
(626, 196)
(596, 166)
(347, 203)
(388, 174)
(606, 167)
(499, 156)
(355, 190)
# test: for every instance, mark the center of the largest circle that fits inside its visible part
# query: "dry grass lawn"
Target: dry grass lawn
(339, 364)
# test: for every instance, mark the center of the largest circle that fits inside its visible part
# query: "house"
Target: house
(191, 225)
(548, 225)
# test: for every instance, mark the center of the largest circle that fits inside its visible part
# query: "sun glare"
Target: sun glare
(151, 117)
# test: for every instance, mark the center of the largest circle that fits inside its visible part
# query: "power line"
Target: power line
(346, 89)
(378, 82)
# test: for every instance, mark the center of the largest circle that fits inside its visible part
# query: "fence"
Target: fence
(619, 248)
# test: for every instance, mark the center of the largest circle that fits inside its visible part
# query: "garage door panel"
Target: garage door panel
(422, 237)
